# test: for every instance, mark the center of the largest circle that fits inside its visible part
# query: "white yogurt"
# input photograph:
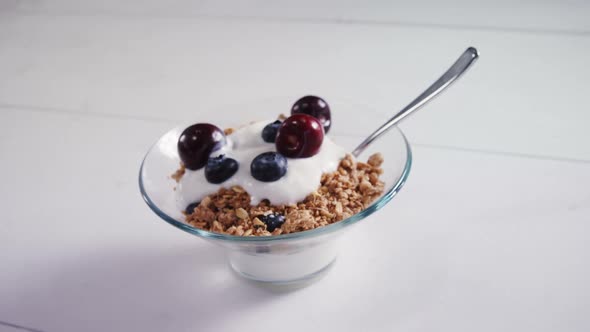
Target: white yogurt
(302, 178)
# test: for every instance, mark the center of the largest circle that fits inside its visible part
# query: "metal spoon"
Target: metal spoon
(452, 74)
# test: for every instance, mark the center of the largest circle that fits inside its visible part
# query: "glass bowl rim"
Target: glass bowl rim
(378, 204)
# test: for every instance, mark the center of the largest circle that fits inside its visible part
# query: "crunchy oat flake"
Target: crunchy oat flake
(178, 174)
(341, 194)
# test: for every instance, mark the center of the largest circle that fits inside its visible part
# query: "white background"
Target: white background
(490, 233)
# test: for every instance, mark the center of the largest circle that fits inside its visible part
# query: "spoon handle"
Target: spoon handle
(458, 68)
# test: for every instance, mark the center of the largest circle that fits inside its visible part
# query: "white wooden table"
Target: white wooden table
(489, 234)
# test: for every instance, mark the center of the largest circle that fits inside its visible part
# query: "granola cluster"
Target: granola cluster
(340, 195)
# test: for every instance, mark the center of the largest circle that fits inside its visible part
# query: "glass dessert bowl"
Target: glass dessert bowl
(286, 258)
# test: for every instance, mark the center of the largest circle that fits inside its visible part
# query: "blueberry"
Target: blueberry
(191, 207)
(272, 221)
(268, 166)
(269, 133)
(220, 168)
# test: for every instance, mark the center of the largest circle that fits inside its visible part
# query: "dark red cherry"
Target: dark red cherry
(316, 107)
(300, 136)
(197, 142)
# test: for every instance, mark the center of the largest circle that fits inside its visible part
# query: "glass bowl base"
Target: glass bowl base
(285, 285)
